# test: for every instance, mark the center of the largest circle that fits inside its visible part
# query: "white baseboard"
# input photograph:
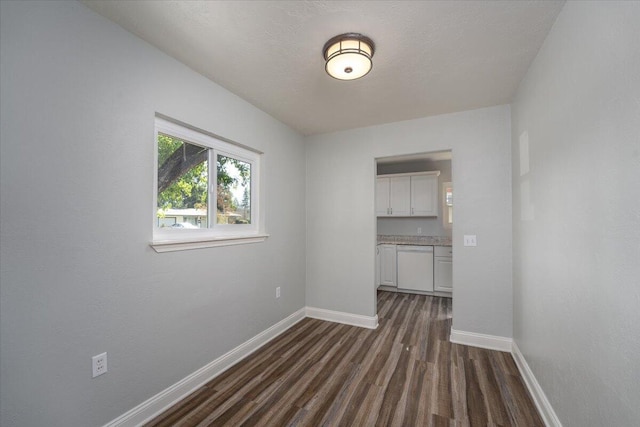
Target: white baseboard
(539, 398)
(369, 322)
(491, 342)
(163, 400)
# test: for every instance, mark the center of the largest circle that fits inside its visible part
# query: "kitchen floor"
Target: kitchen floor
(405, 373)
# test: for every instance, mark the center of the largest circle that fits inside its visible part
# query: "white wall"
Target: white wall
(77, 275)
(576, 250)
(341, 223)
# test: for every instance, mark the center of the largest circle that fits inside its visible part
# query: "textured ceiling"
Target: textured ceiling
(432, 57)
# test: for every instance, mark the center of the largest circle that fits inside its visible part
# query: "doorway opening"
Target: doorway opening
(414, 208)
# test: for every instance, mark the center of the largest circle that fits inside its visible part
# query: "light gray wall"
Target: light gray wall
(77, 275)
(341, 222)
(409, 226)
(576, 250)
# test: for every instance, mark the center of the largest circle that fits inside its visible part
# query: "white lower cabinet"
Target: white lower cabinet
(387, 265)
(443, 269)
(415, 268)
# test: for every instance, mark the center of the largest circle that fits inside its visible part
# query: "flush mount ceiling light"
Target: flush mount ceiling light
(348, 56)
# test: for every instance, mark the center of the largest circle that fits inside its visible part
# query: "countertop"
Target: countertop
(414, 240)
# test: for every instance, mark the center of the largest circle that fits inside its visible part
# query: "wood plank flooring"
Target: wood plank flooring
(405, 373)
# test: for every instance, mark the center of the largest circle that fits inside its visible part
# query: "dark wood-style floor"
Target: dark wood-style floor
(405, 373)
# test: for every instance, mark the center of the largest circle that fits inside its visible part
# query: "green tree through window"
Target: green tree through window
(183, 178)
(182, 174)
(234, 178)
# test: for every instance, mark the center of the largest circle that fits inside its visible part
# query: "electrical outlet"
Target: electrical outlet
(278, 292)
(99, 364)
(419, 230)
(470, 240)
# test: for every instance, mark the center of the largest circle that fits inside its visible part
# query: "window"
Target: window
(447, 207)
(206, 190)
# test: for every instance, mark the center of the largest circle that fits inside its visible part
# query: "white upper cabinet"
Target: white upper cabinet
(424, 195)
(393, 196)
(400, 196)
(407, 194)
(382, 196)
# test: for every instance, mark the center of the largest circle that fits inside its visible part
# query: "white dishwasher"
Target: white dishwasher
(415, 268)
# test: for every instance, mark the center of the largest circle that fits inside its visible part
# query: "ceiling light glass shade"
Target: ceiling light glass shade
(348, 56)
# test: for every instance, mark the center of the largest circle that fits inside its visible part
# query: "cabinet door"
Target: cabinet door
(400, 196)
(424, 195)
(382, 197)
(388, 265)
(443, 274)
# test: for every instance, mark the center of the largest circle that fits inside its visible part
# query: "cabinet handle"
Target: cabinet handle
(391, 211)
(411, 211)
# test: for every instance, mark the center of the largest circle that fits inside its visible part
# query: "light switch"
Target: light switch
(470, 240)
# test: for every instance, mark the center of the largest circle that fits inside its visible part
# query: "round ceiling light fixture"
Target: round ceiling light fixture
(348, 56)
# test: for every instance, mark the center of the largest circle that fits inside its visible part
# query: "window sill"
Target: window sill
(161, 246)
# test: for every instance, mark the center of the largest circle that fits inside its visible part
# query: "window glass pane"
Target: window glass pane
(449, 204)
(233, 190)
(182, 183)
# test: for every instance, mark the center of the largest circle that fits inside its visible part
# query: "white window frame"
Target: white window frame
(167, 239)
(446, 209)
